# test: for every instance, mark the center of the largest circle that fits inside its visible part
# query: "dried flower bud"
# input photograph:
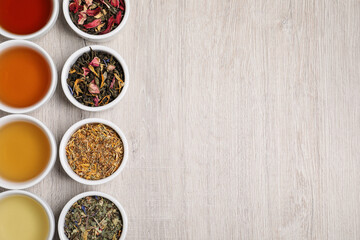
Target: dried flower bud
(95, 62)
(86, 71)
(93, 88)
(110, 67)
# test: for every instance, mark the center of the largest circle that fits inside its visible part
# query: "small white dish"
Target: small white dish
(72, 59)
(21, 185)
(46, 207)
(64, 161)
(23, 43)
(91, 37)
(41, 32)
(87, 194)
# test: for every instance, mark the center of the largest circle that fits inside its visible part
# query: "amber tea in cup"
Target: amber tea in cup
(24, 17)
(25, 77)
(24, 151)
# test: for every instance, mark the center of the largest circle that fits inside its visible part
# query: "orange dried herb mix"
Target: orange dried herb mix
(95, 151)
(96, 78)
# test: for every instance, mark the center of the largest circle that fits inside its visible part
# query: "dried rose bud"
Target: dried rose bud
(93, 88)
(93, 24)
(95, 62)
(110, 67)
(86, 71)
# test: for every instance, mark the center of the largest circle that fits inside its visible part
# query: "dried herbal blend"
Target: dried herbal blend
(24, 16)
(96, 78)
(93, 217)
(95, 151)
(23, 218)
(97, 17)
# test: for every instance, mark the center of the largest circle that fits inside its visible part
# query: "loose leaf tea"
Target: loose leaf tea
(97, 17)
(93, 217)
(95, 151)
(96, 78)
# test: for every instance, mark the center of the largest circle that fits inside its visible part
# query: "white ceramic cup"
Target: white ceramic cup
(64, 161)
(23, 43)
(21, 185)
(45, 206)
(72, 59)
(91, 37)
(39, 33)
(86, 194)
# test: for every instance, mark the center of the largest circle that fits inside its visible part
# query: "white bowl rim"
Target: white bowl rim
(67, 136)
(54, 76)
(42, 202)
(68, 205)
(22, 185)
(72, 59)
(51, 22)
(103, 37)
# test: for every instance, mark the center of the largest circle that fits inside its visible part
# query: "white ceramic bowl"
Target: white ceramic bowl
(72, 59)
(51, 90)
(46, 207)
(86, 194)
(96, 38)
(21, 185)
(41, 32)
(64, 161)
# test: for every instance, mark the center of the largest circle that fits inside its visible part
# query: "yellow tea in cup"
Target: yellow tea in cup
(24, 151)
(23, 218)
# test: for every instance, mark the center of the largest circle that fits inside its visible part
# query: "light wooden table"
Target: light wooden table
(243, 119)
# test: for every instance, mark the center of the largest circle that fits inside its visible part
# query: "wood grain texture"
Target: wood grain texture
(243, 119)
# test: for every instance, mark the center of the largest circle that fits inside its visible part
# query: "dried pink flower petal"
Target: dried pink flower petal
(93, 12)
(112, 83)
(96, 101)
(109, 25)
(118, 18)
(95, 62)
(93, 88)
(74, 6)
(86, 71)
(110, 67)
(82, 18)
(89, 2)
(115, 3)
(93, 24)
(122, 5)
